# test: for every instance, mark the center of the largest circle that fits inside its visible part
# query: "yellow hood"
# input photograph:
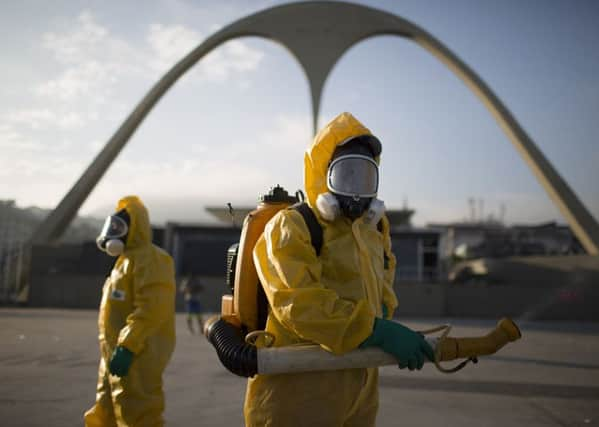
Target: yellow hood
(318, 155)
(140, 231)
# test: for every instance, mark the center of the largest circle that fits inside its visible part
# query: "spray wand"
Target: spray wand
(254, 354)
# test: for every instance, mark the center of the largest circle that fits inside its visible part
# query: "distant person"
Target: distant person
(136, 322)
(191, 289)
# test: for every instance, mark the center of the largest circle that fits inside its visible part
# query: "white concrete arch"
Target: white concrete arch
(317, 34)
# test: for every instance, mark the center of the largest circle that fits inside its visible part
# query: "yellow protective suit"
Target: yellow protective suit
(138, 312)
(331, 300)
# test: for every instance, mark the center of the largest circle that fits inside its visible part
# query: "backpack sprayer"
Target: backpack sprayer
(245, 349)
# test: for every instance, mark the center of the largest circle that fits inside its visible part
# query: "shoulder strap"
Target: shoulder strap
(314, 226)
(379, 227)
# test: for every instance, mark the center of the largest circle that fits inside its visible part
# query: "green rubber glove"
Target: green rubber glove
(120, 361)
(409, 347)
(385, 311)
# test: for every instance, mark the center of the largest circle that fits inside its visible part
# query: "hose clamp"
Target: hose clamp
(260, 339)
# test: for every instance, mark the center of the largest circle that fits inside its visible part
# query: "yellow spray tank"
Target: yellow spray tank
(246, 308)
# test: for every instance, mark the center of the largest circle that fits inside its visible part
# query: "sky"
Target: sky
(239, 121)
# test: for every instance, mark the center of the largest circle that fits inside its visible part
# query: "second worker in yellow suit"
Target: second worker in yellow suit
(136, 322)
(336, 299)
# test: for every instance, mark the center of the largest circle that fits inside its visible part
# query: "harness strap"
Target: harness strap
(314, 226)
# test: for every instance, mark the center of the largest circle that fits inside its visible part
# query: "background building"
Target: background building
(16, 227)
(467, 240)
(430, 281)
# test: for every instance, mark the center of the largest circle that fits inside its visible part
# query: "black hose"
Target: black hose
(232, 350)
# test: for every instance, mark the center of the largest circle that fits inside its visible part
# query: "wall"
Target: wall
(417, 300)
(85, 291)
(68, 291)
(72, 276)
(571, 302)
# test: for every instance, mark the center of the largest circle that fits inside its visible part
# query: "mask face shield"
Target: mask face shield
(353, 175)
(115, 228)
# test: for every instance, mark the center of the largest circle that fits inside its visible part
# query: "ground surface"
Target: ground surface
(48, 365)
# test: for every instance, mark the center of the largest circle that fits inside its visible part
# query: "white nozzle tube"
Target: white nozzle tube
(306, 358)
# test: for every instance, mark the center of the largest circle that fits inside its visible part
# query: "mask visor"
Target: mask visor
(113, 228)
(353, 175)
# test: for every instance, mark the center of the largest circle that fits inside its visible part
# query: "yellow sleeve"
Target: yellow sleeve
(290, 273)
(389, 297)
(154, 298)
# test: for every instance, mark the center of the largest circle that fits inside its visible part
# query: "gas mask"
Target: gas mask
(113, 236)
(352, 180)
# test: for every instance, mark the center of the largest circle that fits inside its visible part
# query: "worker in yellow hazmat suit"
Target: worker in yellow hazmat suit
(136, 322)
(337, 299)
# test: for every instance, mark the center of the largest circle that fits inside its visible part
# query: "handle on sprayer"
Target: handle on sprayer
(451, 348)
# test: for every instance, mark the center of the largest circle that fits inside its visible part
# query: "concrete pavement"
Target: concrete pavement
(48, 365)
